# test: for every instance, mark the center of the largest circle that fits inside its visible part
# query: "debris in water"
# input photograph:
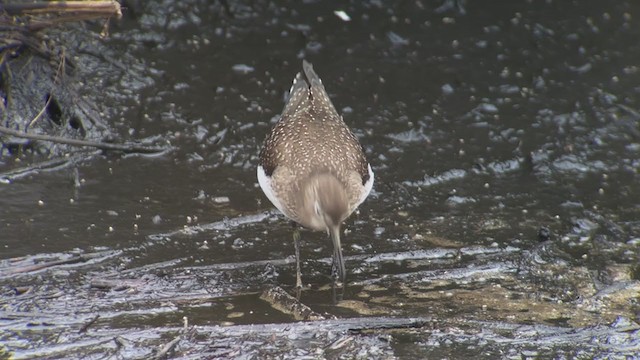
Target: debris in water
(342, 15)
(242, 68)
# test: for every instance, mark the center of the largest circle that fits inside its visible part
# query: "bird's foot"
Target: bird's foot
(296, 243)
(335, 273)
(337, 291)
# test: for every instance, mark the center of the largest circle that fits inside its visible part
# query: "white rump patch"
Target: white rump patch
(367, 187)
(267, 188)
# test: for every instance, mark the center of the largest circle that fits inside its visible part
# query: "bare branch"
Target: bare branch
(127, 148)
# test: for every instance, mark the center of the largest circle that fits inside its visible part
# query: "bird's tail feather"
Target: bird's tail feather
(318, 93)
(298, 94)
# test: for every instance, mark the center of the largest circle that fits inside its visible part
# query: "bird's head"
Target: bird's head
(323, 204)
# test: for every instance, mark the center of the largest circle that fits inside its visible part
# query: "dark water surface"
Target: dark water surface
(505, 217)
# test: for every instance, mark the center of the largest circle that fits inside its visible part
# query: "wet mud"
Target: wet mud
(505, 139)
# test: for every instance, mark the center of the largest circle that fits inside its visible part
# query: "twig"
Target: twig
(166, 348)
(71, 260)
(120, 342)
(282, 301)
(89, 323)
(59, 70)
(97, 8)
(48, 264)
(48, 165)
(389, 324)
(105, 284)
(351, 325)
(127, 148)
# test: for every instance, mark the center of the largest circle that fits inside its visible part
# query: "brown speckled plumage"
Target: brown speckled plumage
(315, 166)
(311, 137)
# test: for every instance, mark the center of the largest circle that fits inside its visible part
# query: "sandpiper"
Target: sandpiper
(312, 167)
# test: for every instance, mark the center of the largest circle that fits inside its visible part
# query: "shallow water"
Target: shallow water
(505, 142)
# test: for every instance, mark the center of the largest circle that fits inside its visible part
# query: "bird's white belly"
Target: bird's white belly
(267, 187)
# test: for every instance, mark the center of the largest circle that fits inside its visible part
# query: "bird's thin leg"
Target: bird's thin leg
(337, 283)
(334, 269)
(337, 293)
(337, 267)
(338, 270)
(296, 244)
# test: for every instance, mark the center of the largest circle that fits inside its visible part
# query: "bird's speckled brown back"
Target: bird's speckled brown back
(312, 138)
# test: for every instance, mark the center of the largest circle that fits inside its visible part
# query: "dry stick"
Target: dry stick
(89, 323)
(48, 165)
(168, 347)
(352, 325)
(39, 24)
(106, 8)
(46, 105)
(282, 301)
(128, 148)
(31, 268)
(72, 260)
(162, 353)
(107, 284)
(67, 11)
